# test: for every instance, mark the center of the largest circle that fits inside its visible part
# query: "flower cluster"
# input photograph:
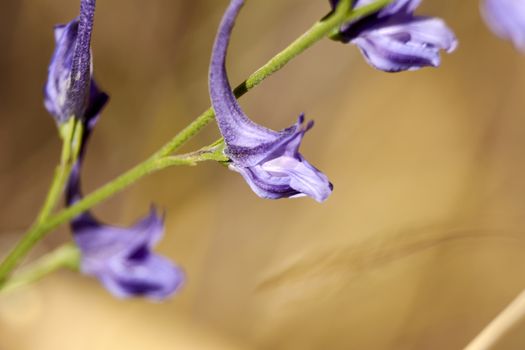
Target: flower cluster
(391, 39)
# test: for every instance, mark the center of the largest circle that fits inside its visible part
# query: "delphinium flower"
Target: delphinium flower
(393, 39)
(506, 18)
(268, 160)
(121, 258)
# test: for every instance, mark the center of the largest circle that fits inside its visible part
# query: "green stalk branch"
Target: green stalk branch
(66, 256)
(70, 132)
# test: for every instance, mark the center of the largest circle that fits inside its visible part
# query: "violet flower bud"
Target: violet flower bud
(394, 39)
(121, 258)
(268, 160)
(506, 18)
(66, 93)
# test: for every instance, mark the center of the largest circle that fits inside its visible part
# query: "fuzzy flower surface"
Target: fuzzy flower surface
(506, 18)
(268, 160)
(66, 92)
(394, 39)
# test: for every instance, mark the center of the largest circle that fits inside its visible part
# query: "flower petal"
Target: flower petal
(59, 72)
(266, 185)
(410, 45)
(286, 177)
(394, 40)
(66, 92)
(506, 18)
(303, 177)
(121, 258)
(154, 277)
(285, 173)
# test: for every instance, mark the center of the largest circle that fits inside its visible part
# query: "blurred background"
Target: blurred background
(421, 244)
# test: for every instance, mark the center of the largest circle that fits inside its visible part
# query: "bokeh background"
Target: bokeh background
(421, 244)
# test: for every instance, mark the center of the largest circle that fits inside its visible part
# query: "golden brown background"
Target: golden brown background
(421, 244)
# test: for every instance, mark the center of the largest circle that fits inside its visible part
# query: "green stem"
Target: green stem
(54, 193)
(160, 159)
(70, 133)
(66, 256)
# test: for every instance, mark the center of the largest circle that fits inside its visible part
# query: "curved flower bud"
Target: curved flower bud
(506, 18)
(394, 40)
(268, 160)
(121, 258)
(70, 71)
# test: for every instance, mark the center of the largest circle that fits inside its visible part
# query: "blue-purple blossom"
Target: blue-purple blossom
(121, 258)
(268, 160)
(506, 18)
(66, 92)
(394, 39)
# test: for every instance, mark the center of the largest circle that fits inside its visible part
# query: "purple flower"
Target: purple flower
(121, 258)
(394, 39)
(268, 160)
(506, 18)
(70, 71)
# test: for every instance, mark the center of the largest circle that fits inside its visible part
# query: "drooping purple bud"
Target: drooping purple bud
(506, 18)
(66, 93)
(394, 39)
(121, 258)
(268, 160)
